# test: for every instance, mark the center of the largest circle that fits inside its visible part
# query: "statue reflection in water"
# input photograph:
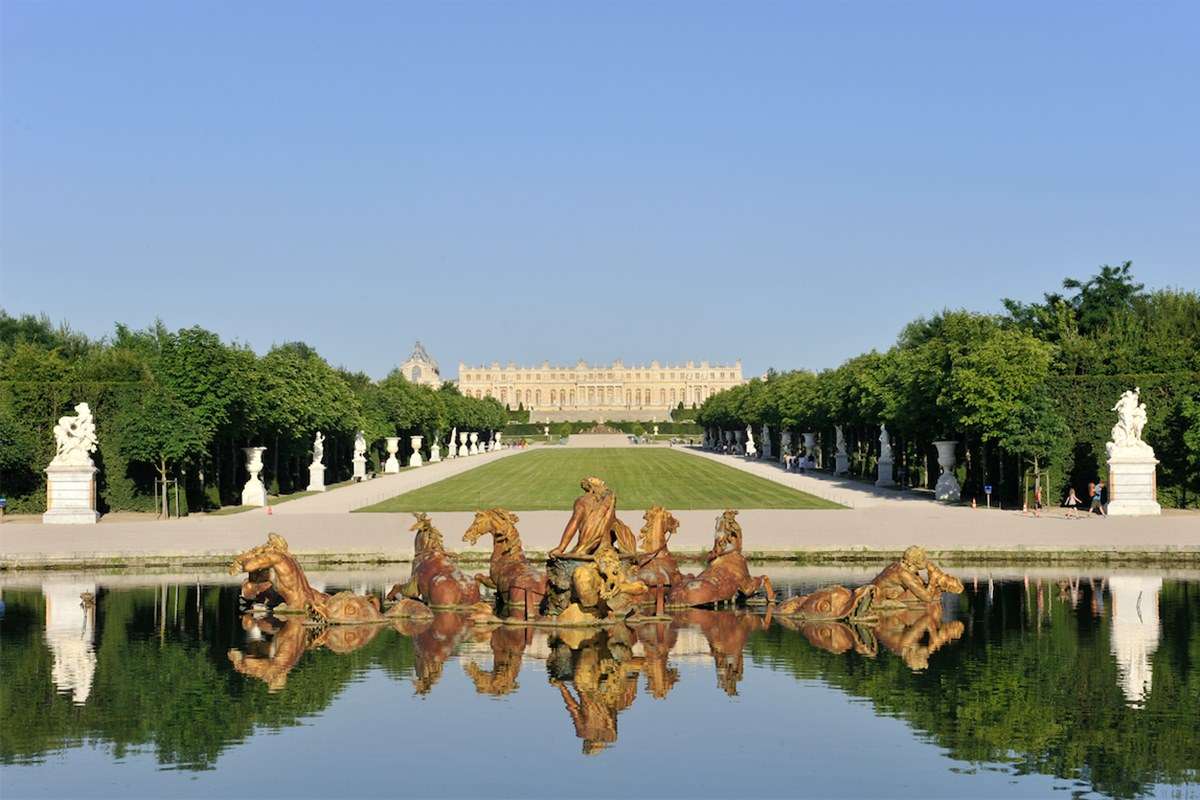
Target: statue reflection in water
(275, 647)
(596, 674)
(727, 633)
(508, 648)
(434, 640)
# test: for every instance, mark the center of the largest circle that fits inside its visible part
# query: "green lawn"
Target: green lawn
(548, 480)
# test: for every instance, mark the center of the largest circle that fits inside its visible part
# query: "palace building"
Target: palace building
(421, 368)
(593, 391)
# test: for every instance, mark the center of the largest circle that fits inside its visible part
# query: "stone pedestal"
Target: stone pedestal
(415, 443)
(810, 448)
(360, 468)
(70, 495)
(463, 448)
(1132, 483)
(316, 477)
(947, 487)
(885, 475)
(496, 440)
(393, 446)
(254, 493)
(474, 443)
(841, 459)
(785, 444)
(766, 441)
(435, 452)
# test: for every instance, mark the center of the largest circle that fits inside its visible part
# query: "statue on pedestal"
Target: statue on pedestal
(71, 475)
(360, 456)
(594, 521)
(316, 470)
(841, 457)
(1132, 466)
(452, 447)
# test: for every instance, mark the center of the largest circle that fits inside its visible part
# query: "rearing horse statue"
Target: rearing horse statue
(520, 586)
(436, 580)
(727, 575)
(656, 567)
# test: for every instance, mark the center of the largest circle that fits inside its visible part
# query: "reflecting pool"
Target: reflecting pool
(1034, 681)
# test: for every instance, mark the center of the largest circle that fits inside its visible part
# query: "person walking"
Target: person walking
(1072, 502)
(1037, 498)
(1097, 500)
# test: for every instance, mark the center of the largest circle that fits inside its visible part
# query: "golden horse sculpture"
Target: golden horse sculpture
(519, 585)
(727, 575)
(436, 580)
(899, 585)
(274, 574)
(656, 567)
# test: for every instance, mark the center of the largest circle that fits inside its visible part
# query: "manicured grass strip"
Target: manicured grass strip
(548, 480)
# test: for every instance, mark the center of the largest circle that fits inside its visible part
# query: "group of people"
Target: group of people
(793, 462)
(1096, 505)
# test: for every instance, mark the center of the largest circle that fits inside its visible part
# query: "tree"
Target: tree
(163, 431)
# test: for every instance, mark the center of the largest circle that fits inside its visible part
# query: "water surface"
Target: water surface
(1032, 682)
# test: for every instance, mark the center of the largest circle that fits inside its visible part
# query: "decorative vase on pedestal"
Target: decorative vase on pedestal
(254, 493)
(393, 446)
(463, 448)
(810, 447)
(474, 443)
(947, 487)
(496, 440)
(415, 443)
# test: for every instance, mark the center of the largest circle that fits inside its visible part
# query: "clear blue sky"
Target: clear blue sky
(785, 182)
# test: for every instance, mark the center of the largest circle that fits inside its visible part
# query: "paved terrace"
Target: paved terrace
(876, 523)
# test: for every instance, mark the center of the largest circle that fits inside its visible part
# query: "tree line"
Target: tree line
(1027, 393)
(180, 405)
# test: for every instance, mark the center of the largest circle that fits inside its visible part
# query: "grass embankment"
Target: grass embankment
(548, 480)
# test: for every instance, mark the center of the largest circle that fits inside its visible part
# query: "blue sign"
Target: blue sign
(987, 488)
(3, 502)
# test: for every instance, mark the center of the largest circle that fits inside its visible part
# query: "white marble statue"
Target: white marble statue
(360, 457)
(75, 439)
(751, 450)
(316, 470)
(884, 478)
(1132, 466)
(766, 440)
(452, 448)
(1131, 419)
(71, 475)
(841, 457)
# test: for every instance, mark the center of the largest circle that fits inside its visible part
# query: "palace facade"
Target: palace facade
(610, 391)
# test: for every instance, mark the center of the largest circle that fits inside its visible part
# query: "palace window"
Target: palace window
(662, 397)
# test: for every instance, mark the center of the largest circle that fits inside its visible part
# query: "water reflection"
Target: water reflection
(1091, 677)
(1135, 631)
(70, 635)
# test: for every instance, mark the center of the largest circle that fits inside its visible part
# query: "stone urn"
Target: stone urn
(474, 443)
(254, 493)
(393, 446)
(463, 448)
(415, 443)
(947, 487)
(810, 447)
(496, 440)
